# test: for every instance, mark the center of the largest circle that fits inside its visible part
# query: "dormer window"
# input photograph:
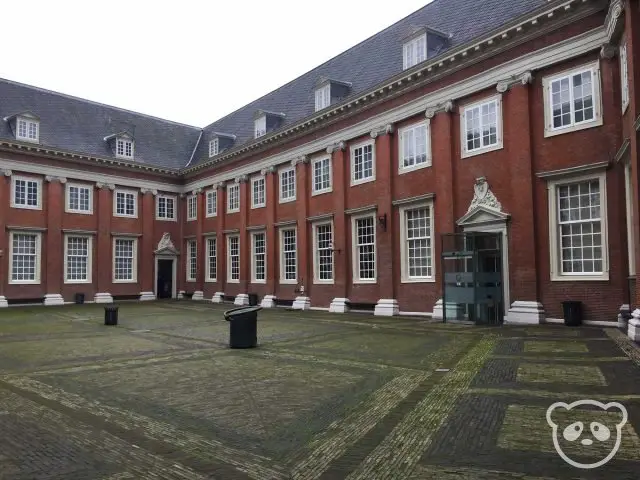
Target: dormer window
(266, 121)
(323, 97)
(261, 126)
(214, 147)
(124, 148)
(415, 51)
(27, 130)
(329, 90)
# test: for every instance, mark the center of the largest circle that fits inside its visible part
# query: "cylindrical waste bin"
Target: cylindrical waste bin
(243, 328)
(111, 315)
(79, 298)
(253, 299)
(572, 311)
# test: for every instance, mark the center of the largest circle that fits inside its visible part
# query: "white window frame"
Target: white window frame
(281, 173)
(214, 147)
(134, 263)
(283, 279)
(38, 181)
(192, 254)
(628, 190)
(254, 259)
(323, 97)
(89, 239)
(316, 254)
(209, 278)
(404, 131)
(211, 199)
(624, 75)
(192, 213)
(232, 186)
(29, 122)
(328, 189)
(38, 258)
(260, 126)
(125, 142)
(597, 121)
(415, 59)
(355, 266)
(229, 279)
(404, 254)
(254, 180)
(115, 203)
(499, 145)
(67, 203)
(166, 218)
(554, 240)
(352, 150)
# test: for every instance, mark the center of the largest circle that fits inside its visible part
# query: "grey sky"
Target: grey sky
(191, 61)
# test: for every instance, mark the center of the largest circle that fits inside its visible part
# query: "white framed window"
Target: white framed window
(628, 190)
(192, 260)
(25, 254)
(415, 147)
(212, 259)
(79, 198)
(212, 202)
(321, 177)
(624, 76)
(259, 257)
(166, 207)
(260, 126)
(125, 203)
(363, 163)
(578, 228)
(26, 192)
(125, 260)
(323, 97)
(77, 258)
(192, 207)
(287, 184)
(415, 51)
(481, 126)
(233, 197)
(124, 148)
(364, 248)
(233, 258)
(417, 243)
(28, 130)
(323, 253)
(214, 146)
(288, 255)
(258, 195)
(572, 100)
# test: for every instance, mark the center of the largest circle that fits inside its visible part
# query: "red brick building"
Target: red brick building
(335, 190)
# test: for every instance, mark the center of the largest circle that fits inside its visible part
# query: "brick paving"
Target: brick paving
(324, 396)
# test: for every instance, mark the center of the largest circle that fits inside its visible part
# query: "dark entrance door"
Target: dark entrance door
(165, 278)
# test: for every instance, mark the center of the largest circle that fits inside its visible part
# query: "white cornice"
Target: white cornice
(563, 172)
(613, 24)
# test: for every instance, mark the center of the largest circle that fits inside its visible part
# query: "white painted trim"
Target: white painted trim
(231, 186)
(125, 141)
(67, 206)
(260, 126)
(89, 278)
(355, 269)
(38, 265)
(229, 279)
(410, 63)
(192, 247)
(194, 199)
(213, 191)
(214, 145)
(429, 160)
(329, 189)
(404, 276)
(174, 267)
(134, 263)
(135, 202)
(372, 178)
(255, 179)
(415, 314)
(175, 208)
(207, 270)
(624, 75)
(316, 262)
(281, 172)
(323, 97)
(253, 256)
(27, 121)
(282, 278)
(13, 203)
(499, 145)
(628, 191)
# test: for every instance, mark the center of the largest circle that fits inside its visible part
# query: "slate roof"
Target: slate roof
(70, 123)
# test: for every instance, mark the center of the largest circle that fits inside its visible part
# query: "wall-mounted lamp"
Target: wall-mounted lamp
(382, 222)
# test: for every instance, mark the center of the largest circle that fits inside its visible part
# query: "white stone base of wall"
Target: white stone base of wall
(218, 297)
(198, 295)
(3, 302)
(623, 316)
(102, 298)
(633, 331)
(51, 299)
(268, 301)
(301, 303)
(387, 307)
(339, 305)
(242, 299)
(181, 294)
(147, 296)
(525, 313)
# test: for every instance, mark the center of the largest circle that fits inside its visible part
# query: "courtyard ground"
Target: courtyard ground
(325, 396)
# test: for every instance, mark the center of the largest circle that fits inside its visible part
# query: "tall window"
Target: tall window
(26, 193)
(213, 147)
(166, 208)
(362, 164)
(25, 258)
(322, 175)
(257, 192)
(212, 203)
(192, 207)
(414, 147)
(416, 243)
(124, 148)
(79, 198)
(288, 184)
(27, 130)
(260, 126)
(323, 264)
(258, 266)
(192, 264)
(125, 204)
(124, 260)
(323, 97)
(233, 198)
(482, 124)
(78, 259)
(212, 259)
(415, 51)
(364, 240)
(233, 267)
(624, 76)
(289, 259)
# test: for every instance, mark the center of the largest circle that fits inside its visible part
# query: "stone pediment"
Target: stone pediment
(166, 246)
(484, 208)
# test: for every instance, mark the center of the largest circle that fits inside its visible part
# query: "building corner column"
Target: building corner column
(147, 266)
(245, 242)
(221, 243)
(55, 248)
(5, 188)
(271, 192)
(104, 244)
(301, 166)
(198, 293)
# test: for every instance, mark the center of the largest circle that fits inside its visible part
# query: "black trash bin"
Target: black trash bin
(253, 299)
(243, 328)
(572, 311)
(79, 298)
(111, 315)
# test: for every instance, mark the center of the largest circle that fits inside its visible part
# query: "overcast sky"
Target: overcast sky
(189, 61)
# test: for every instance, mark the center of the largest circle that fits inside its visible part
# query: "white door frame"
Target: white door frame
(174, 264)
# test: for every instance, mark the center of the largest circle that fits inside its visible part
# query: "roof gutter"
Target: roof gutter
(193, 154)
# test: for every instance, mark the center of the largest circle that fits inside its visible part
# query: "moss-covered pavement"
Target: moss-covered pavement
(327, 396)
